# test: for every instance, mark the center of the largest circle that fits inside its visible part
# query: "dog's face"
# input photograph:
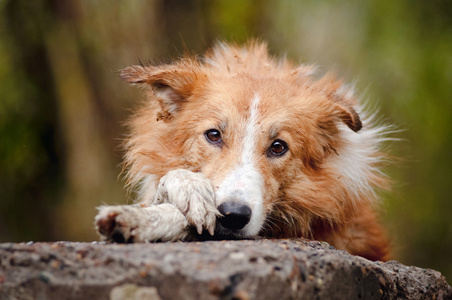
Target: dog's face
(242, 143)
(262, 140)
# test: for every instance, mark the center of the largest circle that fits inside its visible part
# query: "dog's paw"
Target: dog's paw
(193, 194)
(127, 224)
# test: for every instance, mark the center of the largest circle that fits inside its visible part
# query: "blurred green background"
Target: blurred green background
(62, 106)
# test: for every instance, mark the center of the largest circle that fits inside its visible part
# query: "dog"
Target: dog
(238, 144)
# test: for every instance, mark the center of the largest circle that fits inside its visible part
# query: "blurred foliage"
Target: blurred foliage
(62, 106)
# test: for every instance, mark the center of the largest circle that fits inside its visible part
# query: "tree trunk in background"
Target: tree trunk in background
(89, 172)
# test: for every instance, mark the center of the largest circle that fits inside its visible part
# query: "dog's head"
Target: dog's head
(274, 141)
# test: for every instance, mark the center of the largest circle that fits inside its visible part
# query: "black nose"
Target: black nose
(235, 216)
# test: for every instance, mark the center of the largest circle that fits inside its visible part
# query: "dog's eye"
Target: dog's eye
(213, 136)
(277, 148)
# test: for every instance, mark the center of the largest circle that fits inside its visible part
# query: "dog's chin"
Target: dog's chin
(222, 233)
(231, 234)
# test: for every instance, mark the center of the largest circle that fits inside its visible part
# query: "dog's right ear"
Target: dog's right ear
(171, 84)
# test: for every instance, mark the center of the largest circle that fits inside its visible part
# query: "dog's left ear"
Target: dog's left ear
(171, 84)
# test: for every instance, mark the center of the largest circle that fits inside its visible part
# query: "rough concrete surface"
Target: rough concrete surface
(248, 269)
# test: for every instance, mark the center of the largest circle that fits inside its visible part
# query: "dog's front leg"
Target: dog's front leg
(183, 199)
(133, 223)
(193, 194)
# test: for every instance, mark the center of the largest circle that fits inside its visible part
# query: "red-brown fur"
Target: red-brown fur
(306, 193)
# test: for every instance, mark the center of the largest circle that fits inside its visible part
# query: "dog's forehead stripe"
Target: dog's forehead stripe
(244, 183)
(250, 139)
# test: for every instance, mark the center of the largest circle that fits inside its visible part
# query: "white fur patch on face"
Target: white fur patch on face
(245, 184)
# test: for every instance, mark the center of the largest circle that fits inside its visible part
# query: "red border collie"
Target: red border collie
(238, 144)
